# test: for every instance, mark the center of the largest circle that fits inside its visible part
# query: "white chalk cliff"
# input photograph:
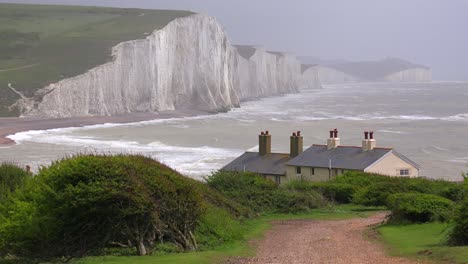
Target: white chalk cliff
(190, 63)
(410, 75)
(311, 77)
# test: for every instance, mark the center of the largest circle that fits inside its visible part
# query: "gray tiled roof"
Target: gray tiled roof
(273, 164)
(342, 157)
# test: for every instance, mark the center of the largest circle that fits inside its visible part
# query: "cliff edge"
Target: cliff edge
(189, 63)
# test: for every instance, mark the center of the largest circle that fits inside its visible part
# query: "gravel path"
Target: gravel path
(311, 241)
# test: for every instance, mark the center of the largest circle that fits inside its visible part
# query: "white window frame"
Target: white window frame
(402, 170)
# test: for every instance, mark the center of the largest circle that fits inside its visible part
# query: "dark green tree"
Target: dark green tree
(82, 204)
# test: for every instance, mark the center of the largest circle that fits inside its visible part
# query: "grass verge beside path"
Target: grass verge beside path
(253, 229)
(422, 241)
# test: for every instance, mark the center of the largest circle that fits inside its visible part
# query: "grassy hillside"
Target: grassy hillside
(41, 44)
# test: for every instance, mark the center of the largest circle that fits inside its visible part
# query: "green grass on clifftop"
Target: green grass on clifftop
(422, 241)
(41, 44)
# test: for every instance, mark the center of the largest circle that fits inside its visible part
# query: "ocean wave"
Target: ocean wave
(391, 131)
(459, 117)
(459, 160)
(193, 161)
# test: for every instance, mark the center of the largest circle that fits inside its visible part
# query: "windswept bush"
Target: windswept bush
(11, 178)
(376, 194)
(418, 207)
(361, 180)
(334, 192)
(262, 195)
(80, 205)
(459, 233)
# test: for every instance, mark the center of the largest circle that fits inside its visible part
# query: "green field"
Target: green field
(252, 229)
(422, 241)
(41, 44)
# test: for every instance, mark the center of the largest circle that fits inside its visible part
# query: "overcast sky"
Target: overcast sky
(429, 32)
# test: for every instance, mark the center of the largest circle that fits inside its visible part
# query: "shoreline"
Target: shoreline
(13, 125)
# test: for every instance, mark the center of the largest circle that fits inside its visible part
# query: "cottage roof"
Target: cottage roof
(272, 164)
(343, 157)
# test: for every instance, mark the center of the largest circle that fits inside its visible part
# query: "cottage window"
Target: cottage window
(298, 170)
(404, 172)
(278, 180)
(312, 171)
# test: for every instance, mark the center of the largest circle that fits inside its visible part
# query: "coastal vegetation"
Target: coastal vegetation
(41, 44)
(110, 209)
(428, 217)
(11, 178)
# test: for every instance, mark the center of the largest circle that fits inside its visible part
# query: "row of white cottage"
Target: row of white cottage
(322, 162)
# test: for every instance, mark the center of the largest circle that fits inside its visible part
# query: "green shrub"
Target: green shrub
(262, 195)
(11, 178)
(248, 189)
(376, 194)
(287, 201)
(216, 227)
(459, 233)
(335, 192)
(418, 207)
(79, 205)
(361, 180)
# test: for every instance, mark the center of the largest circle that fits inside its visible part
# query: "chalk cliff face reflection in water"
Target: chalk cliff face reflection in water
(428, 122)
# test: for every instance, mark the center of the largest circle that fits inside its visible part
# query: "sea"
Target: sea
(427, 122)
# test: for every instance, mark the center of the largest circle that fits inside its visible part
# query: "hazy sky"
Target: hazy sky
(429, 32)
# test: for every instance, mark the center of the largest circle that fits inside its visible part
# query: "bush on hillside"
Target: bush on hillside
(376, 194)
(450, 190)
(334, 192)
(459, 233)
(79, 205)
(418, 207)
(11, 178)
(262, 195)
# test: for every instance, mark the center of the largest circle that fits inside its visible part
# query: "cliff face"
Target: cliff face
(410, 75)
(385, 70)
(310, 77)
(188, 64)
(331, 76)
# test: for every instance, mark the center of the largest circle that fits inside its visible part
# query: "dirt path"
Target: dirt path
(311, 241)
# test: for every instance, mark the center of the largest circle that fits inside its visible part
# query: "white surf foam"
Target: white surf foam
(194, 161)
(459, 117)
(391, 131)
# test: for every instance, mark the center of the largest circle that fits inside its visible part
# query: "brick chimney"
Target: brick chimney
(296, 144)
(264, 143)
(334, 140)
(368, 143)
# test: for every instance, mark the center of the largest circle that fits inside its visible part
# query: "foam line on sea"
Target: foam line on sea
(193, 161)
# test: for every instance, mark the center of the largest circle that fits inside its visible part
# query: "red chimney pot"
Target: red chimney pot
(371, 135)
(267, 132)
(336, 133)
(331, 133)
(366, 135)
(294, 134)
